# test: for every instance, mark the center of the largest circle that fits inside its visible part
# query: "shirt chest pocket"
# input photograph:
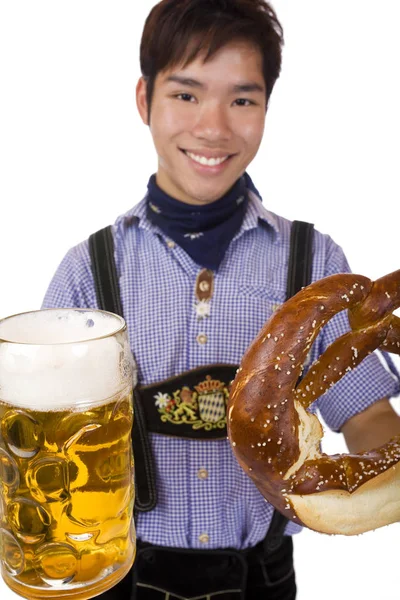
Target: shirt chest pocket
(261, 300)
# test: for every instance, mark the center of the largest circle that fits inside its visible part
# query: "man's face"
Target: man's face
(214, 110)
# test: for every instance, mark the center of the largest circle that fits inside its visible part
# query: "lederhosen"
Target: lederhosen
(264, 572)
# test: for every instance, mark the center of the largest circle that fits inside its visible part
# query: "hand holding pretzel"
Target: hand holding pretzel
(277, 441)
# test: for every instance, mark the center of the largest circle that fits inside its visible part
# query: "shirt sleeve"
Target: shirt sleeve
(368, 382)
(72, 285)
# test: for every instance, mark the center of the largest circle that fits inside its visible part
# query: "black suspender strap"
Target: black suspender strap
(101, 250)
(300, 257)
(145, 477)
(299, 275)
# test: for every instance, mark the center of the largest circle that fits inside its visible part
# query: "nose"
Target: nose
(212, 124)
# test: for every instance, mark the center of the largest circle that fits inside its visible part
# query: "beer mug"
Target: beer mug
(66, 465)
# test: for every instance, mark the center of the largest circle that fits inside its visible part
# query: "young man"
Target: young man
(201, 265)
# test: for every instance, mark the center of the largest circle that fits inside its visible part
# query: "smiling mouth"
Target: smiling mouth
(208, 162)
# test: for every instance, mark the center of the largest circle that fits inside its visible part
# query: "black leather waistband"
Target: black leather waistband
(181, 574)
(190, 405)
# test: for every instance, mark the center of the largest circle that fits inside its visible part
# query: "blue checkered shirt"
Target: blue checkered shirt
(205, 500)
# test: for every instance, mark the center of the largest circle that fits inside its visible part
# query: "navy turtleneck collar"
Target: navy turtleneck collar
(204, 231)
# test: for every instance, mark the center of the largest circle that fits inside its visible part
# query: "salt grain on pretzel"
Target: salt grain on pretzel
(277, 440)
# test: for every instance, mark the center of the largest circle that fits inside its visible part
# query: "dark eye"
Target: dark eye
(241, 102)
(185, 97)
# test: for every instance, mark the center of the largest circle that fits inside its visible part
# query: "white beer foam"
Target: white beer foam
(63, 358)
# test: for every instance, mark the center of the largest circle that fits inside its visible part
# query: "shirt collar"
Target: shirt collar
(256, 212)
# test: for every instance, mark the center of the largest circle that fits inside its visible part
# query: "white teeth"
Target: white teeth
(212, 162)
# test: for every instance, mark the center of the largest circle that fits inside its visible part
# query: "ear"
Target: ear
(141, 100)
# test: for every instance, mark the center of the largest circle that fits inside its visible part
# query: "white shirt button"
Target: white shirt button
(204, 538)
(204, 286)
(171, 244)
(202, 473)
(202, 338)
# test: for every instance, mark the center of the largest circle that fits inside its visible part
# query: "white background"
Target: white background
(74, 155)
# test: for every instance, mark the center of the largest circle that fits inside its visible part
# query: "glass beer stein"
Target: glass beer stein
(66, 465)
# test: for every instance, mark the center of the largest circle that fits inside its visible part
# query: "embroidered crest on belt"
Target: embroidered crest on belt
(192, 404)
(203, 407)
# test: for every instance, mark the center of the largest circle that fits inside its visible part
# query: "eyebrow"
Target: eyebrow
(246, 86)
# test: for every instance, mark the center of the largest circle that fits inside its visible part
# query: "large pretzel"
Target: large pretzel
(277, 441)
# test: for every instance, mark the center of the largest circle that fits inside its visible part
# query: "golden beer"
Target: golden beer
(66, 468)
